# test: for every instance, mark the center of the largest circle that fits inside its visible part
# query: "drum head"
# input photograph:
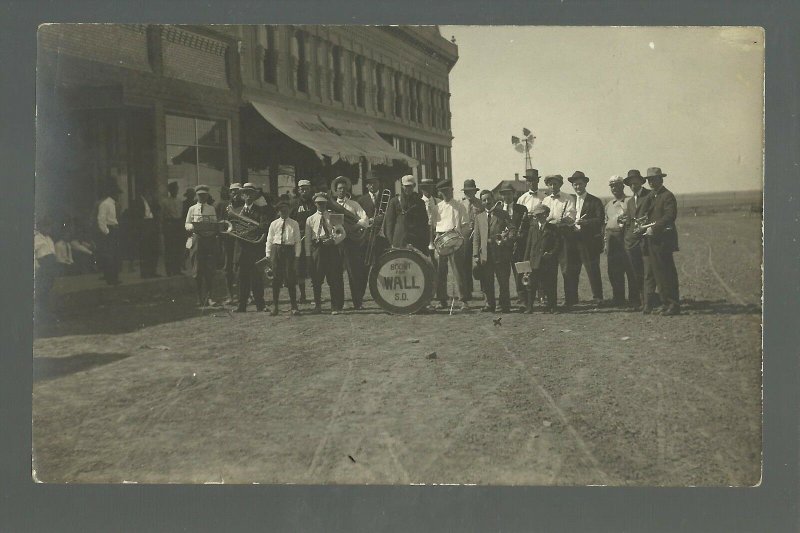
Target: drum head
(402, 281)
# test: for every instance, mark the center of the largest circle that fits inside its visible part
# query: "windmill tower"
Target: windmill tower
(524, 145)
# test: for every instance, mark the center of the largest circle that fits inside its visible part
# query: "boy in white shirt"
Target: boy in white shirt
(283, 251)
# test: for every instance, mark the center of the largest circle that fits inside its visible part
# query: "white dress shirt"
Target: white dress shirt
(530, 199)
(614, 208)
(284, 231)
(63, 252)
(42, 246)
(450, 215)
(107, 215)
(356, 209)
(200, 213)
(561, 205)
(431, 209)
(148, 214)
(316, 230)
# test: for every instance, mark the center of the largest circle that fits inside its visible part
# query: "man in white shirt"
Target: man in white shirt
(325, 258)
(352, 251)
(203, 247)
(108, 226)
(427, 189)
(451, 215)
(619, 264)
(562, 217)
(283, 252)
(533, 196)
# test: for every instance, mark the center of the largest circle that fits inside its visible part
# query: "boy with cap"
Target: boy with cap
(619, 265)
(325, 258)
(542, 251)
(305, 208)
(203, 247)
(283, 251)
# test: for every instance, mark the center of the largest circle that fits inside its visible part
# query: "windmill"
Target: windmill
(523, 145)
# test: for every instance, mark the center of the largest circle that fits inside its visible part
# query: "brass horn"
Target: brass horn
(244, 228)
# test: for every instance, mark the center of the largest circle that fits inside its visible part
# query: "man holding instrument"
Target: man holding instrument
(325, 258)
(203, 248)
(247, 253)
(588, 243)
(492, 243)
(451, 216)
(561, 217)
(634, 240)
(406, 221)
(661, 240)
(520, 221)
(352, 251)
(302, 210)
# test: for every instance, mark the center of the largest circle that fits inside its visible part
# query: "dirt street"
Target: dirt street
(153, 390)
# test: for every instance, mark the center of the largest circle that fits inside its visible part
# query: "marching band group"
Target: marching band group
(528, 239)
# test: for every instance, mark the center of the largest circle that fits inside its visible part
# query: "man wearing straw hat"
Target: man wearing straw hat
(619, 264)
(246, 253)
(661, 240)
(203, 247)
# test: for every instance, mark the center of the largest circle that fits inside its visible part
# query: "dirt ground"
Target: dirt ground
(152, 390)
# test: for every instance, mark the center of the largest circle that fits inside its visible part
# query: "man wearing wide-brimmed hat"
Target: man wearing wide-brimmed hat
(473, 206)
(587, 245)
(618, 262)
(228, 242)
(246, 253)
(634, 241)
(203, 247)
(107, 223)
(533, 196)
(661, 240)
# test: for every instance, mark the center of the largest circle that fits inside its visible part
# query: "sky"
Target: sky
(605, 100)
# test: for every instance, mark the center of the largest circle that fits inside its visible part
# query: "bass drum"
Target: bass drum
(402, 281)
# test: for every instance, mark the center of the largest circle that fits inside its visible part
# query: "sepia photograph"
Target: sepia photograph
(398, 255)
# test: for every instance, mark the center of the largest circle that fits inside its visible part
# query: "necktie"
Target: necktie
(323, 226)
(283, 225)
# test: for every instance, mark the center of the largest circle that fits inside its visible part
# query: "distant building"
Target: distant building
(147, 104)
(519, 185)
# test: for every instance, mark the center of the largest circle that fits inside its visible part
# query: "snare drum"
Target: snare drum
(402, 281)
(448, 242)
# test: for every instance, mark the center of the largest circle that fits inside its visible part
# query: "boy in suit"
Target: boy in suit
(492, 242)
(542, 248)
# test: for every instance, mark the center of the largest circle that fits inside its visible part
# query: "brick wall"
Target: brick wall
(124, 45)
(195, 58)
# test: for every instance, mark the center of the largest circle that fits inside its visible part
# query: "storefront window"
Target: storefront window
(197, 151)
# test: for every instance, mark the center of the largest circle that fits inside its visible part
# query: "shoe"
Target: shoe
(647, 310)
(274, 311)
(672, 310)
(317, 310)
(464, 307)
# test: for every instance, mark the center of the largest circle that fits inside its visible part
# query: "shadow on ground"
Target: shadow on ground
(47, 368)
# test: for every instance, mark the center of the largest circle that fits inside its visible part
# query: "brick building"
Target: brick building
(147, 104)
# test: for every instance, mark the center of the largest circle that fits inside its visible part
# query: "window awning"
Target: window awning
(338, 139)
(307, 129)
(365, 138)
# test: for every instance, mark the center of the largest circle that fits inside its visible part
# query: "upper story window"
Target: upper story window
(270, 65)
(420, 99)
(380, 89)
(337, 73)
(361, 85)
(398, 95)
(301, 62)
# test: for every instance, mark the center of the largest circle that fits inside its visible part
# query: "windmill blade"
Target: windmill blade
(530, 138)
(526, 131)
(514, 140)
(519, 148)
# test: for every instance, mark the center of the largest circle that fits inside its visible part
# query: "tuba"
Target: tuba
(353, 231)
(243, 228)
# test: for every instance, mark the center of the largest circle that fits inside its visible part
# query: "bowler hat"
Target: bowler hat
(577, 175)
(342, 179)
(531, 174)
(633, 173)
(469, 185)
(553, 177)
(654, 172)
(539, 209)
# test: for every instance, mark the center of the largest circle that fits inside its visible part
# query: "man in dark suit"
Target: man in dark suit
(492, 243)
(586, 243)
(661, 241)
(303, 208)
(370, 202)
(406, 221)
(541, 250)
(634, 242)
(145, 215)
(246, 254)
(520, 222)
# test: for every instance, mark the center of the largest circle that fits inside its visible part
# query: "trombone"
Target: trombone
(380, 210)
